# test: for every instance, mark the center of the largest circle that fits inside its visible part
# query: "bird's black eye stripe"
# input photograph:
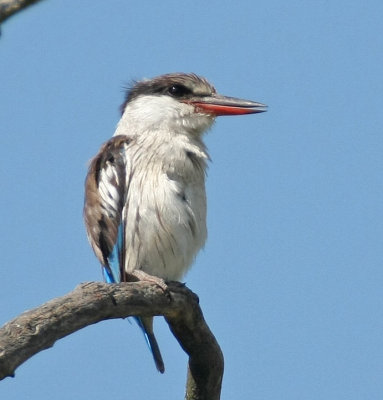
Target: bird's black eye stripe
(178, 90)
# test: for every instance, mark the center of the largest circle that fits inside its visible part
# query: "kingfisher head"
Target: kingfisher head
(179, 101)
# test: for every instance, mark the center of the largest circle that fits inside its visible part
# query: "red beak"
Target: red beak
(222, 105)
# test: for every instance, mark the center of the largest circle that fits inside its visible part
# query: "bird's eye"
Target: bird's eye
(178, 90)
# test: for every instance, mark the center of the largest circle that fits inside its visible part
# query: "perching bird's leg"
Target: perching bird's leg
(139, 275)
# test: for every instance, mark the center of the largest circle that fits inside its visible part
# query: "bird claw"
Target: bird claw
(143, 276)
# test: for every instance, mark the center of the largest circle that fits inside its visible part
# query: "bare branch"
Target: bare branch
(10, 7)
(92, 302)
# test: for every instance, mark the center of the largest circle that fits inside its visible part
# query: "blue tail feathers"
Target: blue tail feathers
(151, 341)
(112, 274)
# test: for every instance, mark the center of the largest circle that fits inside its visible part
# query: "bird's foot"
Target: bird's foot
(143, 276)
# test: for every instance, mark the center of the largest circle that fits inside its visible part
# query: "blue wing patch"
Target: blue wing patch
(113, 273)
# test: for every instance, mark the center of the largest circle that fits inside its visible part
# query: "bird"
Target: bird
(145, 199)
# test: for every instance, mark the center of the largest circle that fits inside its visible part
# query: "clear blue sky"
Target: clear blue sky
(291, 278)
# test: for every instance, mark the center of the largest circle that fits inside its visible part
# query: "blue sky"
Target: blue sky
(291, 278)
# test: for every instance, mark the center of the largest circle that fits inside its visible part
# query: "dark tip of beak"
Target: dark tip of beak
(222, 105)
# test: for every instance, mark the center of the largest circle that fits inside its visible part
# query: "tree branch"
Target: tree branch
(10, 7)
(92, 302)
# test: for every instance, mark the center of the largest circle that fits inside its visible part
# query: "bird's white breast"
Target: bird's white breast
(165, 209)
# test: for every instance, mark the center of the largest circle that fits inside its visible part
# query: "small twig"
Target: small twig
(10, 7)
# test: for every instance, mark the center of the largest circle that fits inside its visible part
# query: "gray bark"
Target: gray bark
(92, 302)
